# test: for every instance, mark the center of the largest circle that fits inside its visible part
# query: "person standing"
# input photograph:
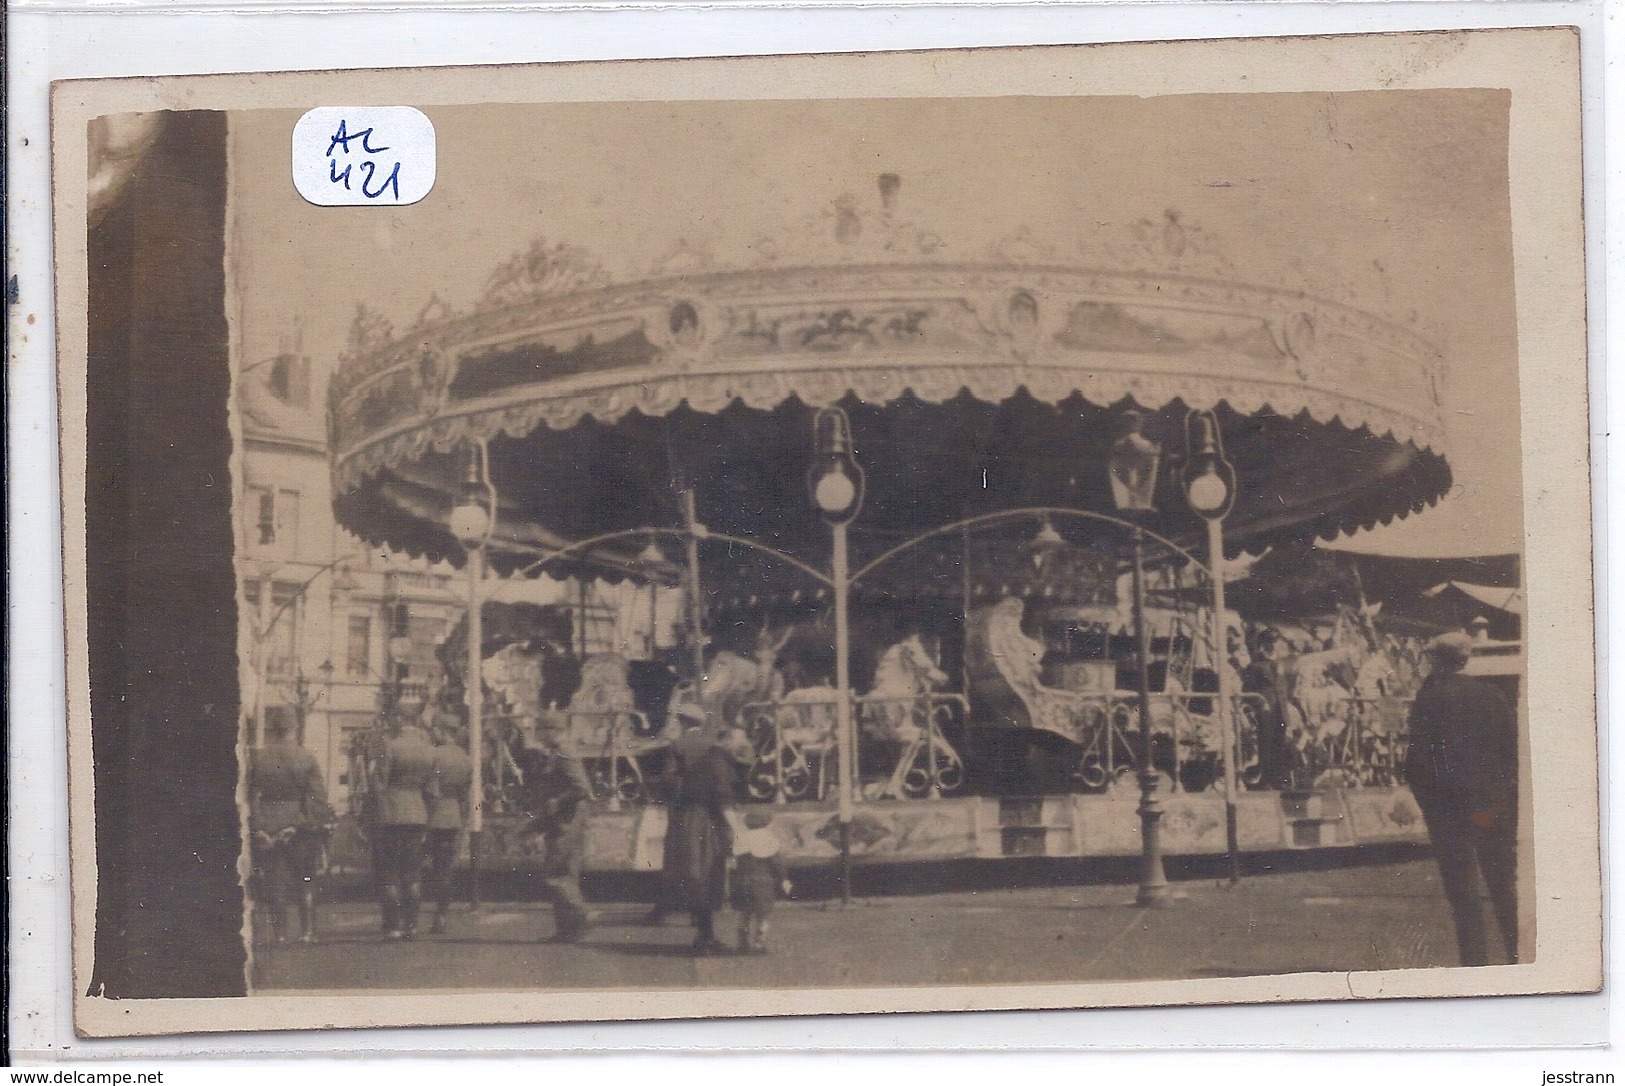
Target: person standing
(1463, 770)
(448, 814)
(289, 819)
(557, 798)
(685, 727)
(1262, 676)
(405, 781)
(699, 839)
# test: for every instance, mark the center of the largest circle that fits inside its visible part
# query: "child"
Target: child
(758, 878)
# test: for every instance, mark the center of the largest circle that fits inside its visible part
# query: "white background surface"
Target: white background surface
(363, 155)
(46, 42)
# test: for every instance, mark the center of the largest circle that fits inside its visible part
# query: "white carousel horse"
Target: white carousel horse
(898, 709)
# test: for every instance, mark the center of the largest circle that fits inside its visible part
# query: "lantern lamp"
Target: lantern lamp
(1210, 481)
(835, 480)
(470, 519)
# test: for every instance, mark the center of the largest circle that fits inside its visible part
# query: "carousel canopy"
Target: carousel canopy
(971, 388)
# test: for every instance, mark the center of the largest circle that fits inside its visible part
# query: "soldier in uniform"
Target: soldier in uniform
(448, 813)
(288, 822)
(405, 783)
(557, 795)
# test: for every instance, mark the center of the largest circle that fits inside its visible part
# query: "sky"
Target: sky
(1392, 201)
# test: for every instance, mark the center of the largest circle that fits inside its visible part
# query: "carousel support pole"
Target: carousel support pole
(696, 635)
(1210, 489)
(835, 483)
(1226, 713)
(843, 709)
(1153, 880)
(964, 612)
(474, 691)
(471, 522)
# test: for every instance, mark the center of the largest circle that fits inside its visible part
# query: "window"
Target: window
(424, 636)
(289, 380)
(261, 514)
(358, 646)
(278, 642)
(273, 519)
(287, 521)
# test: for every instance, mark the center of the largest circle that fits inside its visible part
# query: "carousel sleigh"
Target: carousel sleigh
(1004, 668)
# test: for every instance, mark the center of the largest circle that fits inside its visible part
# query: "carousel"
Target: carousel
(944, 535)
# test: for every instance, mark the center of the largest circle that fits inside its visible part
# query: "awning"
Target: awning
(1510, 600)
(971, 388)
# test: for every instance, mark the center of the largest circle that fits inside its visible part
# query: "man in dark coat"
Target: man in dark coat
(1263, 677)
(405, 781)
(685, 723)
(448, 813)
(1463, 770)
(699, 839)
(288, 823)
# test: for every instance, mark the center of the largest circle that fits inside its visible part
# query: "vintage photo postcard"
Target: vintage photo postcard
(1025, 528)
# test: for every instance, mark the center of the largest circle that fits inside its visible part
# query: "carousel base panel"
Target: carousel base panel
(985, 827)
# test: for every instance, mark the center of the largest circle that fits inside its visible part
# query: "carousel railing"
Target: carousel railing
(1349, 742)
(927, 764)
(796, 740)
(609, 743)
(1187, 740)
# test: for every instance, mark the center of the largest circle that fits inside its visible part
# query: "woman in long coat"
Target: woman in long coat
(698, 837)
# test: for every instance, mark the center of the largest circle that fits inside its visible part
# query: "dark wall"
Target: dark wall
(163, 623)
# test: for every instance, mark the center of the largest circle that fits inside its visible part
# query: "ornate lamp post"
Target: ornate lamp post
(1133, 470)
(1210, 488)
(471, 521)
(835, 482)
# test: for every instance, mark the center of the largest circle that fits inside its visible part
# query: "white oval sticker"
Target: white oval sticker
(356, 155)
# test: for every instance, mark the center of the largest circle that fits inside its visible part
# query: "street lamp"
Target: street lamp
(835, 482)
(1133, 471)
(1210, 488)
(471, 521)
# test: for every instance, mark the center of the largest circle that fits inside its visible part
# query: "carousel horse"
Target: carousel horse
(897, 709)
(1329, 689)
(733, 681)
(605, 727)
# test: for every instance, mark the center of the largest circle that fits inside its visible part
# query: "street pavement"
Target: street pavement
(1388, 914)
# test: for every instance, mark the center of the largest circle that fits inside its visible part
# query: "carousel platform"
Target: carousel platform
(982, 827)
(989, 827)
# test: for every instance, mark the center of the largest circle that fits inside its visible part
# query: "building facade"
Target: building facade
(332, 632)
